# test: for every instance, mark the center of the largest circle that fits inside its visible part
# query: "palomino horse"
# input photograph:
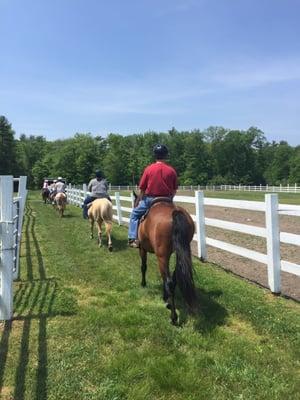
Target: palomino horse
(45, 194)
(60, 201)
(168, 228)
(100, 210)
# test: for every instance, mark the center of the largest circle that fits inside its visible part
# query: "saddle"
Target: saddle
(155, 201)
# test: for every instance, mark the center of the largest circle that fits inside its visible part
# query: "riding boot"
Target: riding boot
(85, 212)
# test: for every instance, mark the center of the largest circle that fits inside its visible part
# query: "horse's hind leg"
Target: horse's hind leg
(168, 287)
(108, 228)
(143, 255)
(99, 223)
(92, 228)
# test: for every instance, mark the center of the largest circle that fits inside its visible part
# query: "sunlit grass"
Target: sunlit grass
(85, 329)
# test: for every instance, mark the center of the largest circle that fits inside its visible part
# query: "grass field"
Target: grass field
(85, 329)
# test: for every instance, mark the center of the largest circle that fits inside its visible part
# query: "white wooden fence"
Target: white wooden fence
(271, 233)
(293, 188)
(260, 188)
(11, 218)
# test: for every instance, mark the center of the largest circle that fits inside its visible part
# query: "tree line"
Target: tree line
(210, 157)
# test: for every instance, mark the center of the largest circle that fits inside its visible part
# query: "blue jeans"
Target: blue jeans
(136, 215)
(86, 201)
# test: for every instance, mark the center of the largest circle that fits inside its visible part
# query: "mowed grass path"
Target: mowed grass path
(85, 329)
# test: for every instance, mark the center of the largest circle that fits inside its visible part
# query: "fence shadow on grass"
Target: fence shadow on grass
(34, 301)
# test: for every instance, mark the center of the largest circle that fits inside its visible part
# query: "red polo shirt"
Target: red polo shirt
(159, 179)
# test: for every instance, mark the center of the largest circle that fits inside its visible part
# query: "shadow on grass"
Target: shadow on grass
(208, 313)
(68, 215)
(118, 244)
(33, 300)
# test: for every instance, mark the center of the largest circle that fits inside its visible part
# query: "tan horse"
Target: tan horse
(101, 211)
(60, 202)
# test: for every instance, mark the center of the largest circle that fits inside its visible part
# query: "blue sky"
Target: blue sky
(129, 66)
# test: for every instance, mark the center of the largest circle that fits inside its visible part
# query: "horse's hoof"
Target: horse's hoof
(110, 249)
(168, 306)
(143, 284)
(174, 320)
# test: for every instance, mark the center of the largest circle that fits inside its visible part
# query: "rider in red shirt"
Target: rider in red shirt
(158, 179)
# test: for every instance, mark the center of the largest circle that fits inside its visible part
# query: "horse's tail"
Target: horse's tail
(181, 242)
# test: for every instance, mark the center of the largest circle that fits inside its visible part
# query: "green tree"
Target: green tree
(8, 165)
(115, 163)
(196, 160)
(234, 155)
(278, 169)
(294, 176)
(30, 149)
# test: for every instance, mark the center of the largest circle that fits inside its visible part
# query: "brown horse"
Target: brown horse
(60, 201)
(45, 195)
(100, 210)
(168, 228)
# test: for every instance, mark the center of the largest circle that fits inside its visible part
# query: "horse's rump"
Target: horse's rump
(60, 198)
(156, 230)
(101, 209)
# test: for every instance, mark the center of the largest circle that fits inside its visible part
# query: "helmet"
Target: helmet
(160, 151)
(98, 173)
(59, 178)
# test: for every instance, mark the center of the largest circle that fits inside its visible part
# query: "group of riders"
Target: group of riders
(52, 187)
(158, 180)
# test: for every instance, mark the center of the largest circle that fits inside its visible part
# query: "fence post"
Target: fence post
(200, 225)
(119, 211)
(22, 193)
(7, 251)
(273, 242)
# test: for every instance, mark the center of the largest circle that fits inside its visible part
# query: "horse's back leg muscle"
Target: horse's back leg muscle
(108, 228)
(143, 255)
(99, 224)
(168, 285)
(92, 228)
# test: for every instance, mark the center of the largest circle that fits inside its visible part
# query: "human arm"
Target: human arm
(144, 181)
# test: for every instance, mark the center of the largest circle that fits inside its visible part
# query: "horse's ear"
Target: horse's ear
(135, 195)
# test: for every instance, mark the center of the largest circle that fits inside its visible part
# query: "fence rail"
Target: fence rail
(11, 218)
(271, 233)
(293, 188)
